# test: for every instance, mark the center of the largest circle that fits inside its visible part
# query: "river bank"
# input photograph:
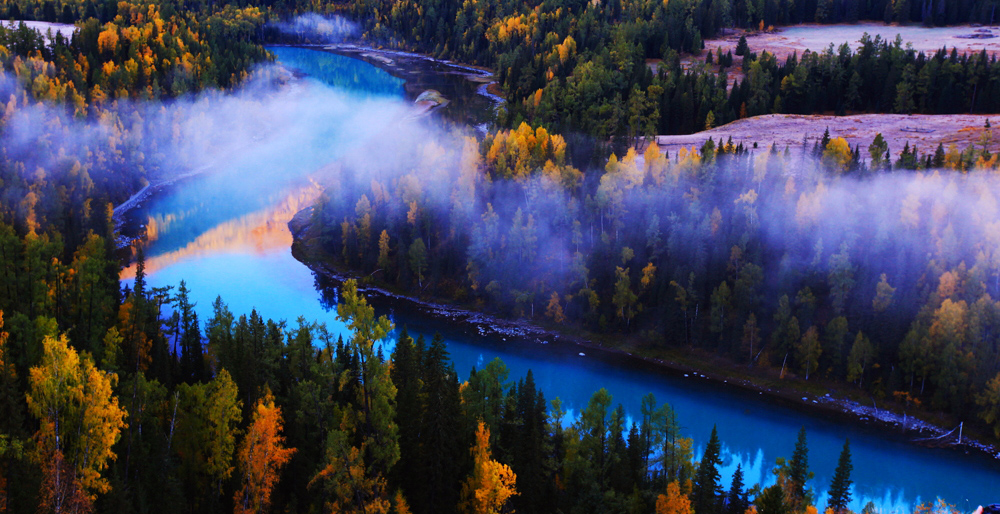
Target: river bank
(467, 89)
(804, 397)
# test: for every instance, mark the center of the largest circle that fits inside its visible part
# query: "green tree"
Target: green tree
(772, 501)
(798, 473)
(207, 419)
(737, 500)
(840, 485)
(841, 278)
(418, 260)
(861, 355)
(879, 152)
(624, 298)
(363, 447)
(707, 491)
(989, 401)
(809, 351)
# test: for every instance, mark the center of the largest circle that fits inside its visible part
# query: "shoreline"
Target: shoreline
(415, 69)
(911, 429)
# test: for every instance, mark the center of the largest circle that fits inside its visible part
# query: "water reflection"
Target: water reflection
(236, 246)
(261, 232)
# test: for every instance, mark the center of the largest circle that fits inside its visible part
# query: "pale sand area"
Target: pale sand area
(897, 129)
(783, 41)
(817, 38)
(65, 29)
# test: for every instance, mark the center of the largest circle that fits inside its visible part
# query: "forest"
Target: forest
(583, 66)
(250, 415)
(815, 261)
(124, 401)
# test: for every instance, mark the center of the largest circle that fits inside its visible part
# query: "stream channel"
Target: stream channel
(225, 233)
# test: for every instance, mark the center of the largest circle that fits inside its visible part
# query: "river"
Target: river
(225, 233)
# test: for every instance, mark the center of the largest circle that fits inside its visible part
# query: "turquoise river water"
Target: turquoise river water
(224, 233)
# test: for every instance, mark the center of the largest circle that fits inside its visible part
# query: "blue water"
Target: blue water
(339, 71)
(755, 431)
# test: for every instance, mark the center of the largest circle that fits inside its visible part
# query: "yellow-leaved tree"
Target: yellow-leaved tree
(837, 155)
(491, 483)
(80, 421)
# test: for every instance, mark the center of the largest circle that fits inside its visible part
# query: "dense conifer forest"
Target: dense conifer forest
(125, 401)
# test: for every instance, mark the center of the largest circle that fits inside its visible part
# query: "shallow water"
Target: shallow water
(232, 240)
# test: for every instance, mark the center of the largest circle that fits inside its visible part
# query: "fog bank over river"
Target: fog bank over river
(225, 233)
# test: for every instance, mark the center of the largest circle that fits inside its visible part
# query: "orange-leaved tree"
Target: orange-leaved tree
(261, 456)
(674, 502)
(491, 483)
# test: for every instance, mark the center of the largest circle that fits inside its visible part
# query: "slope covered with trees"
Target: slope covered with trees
(292, 420)
(814, 261)
(243, 414)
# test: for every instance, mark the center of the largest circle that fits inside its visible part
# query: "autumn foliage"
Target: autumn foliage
(261, 456)
(80, 420)
(674, 502)
(491, 483)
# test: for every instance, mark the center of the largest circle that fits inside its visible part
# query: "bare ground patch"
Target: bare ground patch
(784, 41)
(789, 130)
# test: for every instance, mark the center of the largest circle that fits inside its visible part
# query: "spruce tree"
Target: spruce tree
(840, 486)
(707, 490)
(736, 501)
(798, 470)
(445, 453)
(742, 48)
(405, 374)
(772, 501)
(938, 161)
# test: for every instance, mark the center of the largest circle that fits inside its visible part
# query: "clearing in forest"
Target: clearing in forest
(924, 131)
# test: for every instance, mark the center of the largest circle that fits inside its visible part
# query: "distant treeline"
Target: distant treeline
(880, 76)
(582, 66)
(570, 67)
(132, 50)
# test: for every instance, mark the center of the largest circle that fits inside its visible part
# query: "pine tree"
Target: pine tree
(840, 486)
(707, 490)
(736, 500)
(444, 451)
(405, 374)
(798, 470)
(772, 501)
(938, 161)
(742, 48)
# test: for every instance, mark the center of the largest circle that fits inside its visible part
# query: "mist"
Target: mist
(316, 28)
(509, 222)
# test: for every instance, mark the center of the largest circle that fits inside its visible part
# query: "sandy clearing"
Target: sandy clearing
(784, 41)
(819, 37)
(897, 129)
(65, 29)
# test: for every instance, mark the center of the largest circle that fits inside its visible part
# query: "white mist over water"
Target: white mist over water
(276, 142)
(328, 29)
